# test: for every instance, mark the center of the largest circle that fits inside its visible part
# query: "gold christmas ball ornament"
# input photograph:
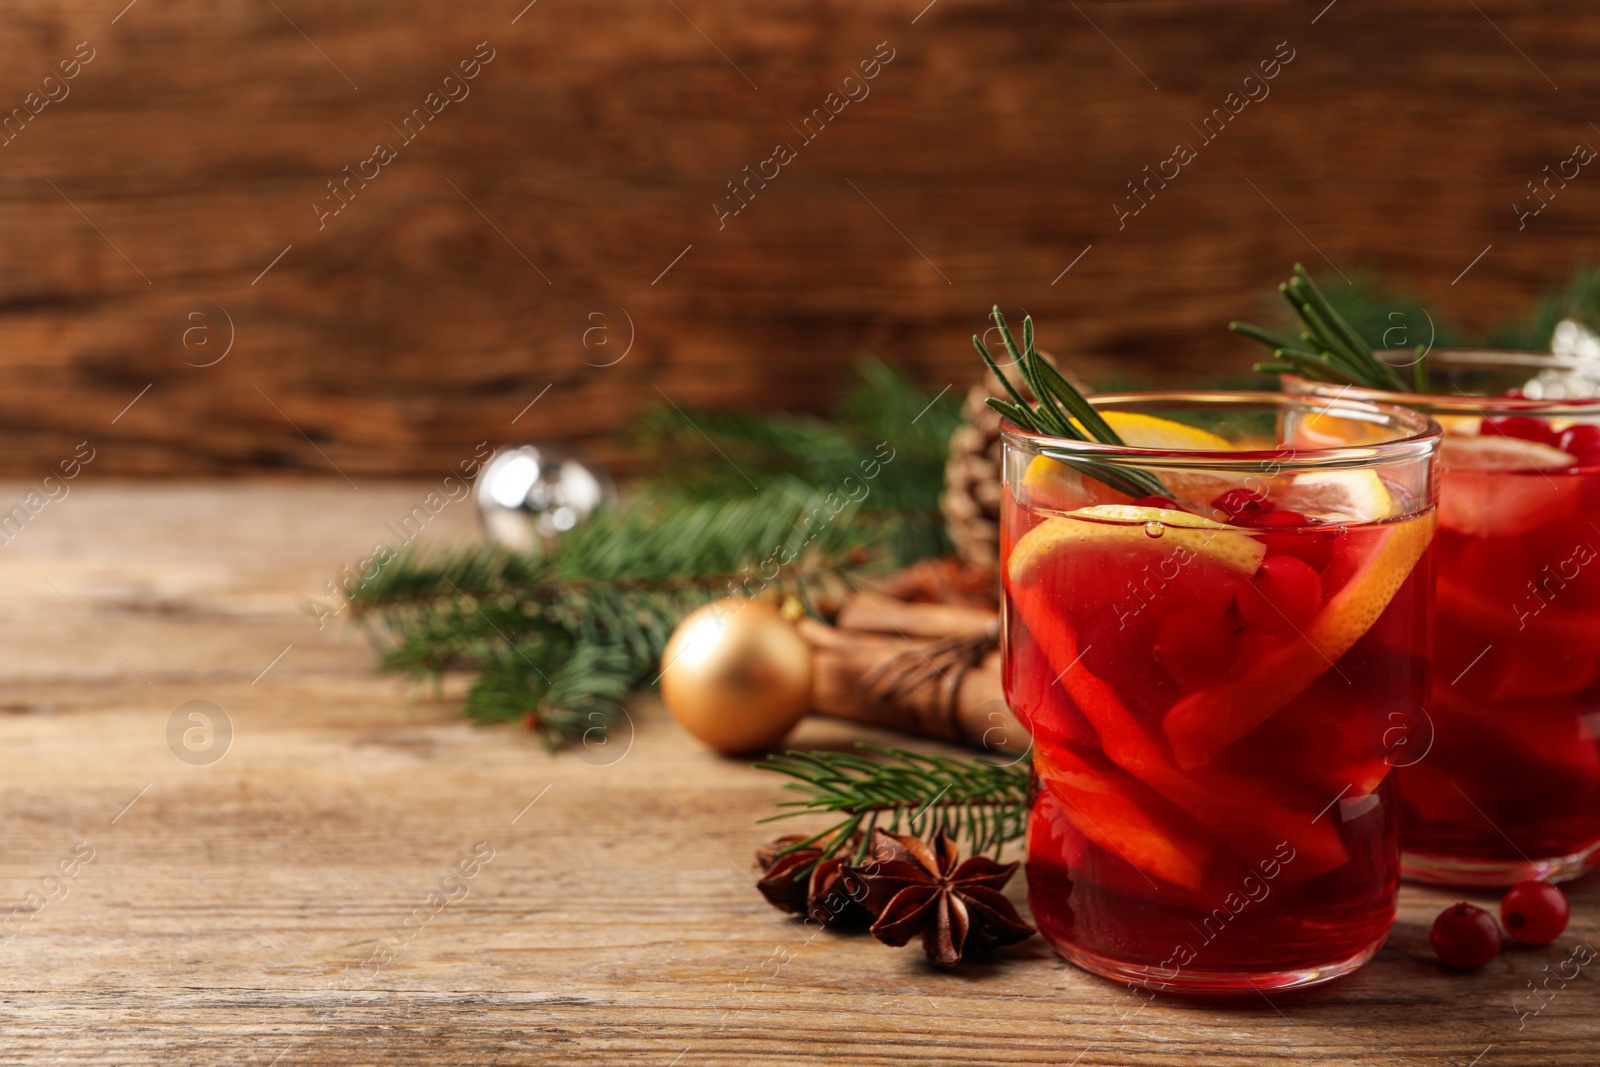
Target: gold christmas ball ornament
(736, 675)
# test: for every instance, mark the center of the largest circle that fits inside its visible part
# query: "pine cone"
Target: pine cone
(971, 500)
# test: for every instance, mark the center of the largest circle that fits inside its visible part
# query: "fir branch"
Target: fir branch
(905, 792)
(560, 637)
(1059, 410)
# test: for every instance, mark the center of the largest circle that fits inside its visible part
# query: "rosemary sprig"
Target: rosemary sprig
(1329, 349)
(905, 792)
(1060, 411)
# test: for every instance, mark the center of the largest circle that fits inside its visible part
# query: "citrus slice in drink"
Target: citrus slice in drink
(1492, 452)
(1274, 669)
(1133, 559)
(1133, 531)
(1333, 428)
(1121, 815)
(1495, 486)
(1054, 484)
(1338, 496)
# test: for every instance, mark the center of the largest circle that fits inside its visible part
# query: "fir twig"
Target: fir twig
(1060, 410)
(905, 792)
(561, 637)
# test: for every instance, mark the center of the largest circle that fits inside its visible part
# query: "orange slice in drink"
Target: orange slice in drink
(1495, 486)
(1203, 723)
(1050, 483)
(1121, 815)
(1338, 496)
(1133, 532)
(1331, 428)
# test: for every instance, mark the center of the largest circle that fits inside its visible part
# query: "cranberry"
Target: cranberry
(1316, 548)
(1520, 426)
(1584, 437)
(1535, 913)
(1283, 596)
(1165, 503)
(1465, 936)
(1582, 441)
(1243, 505)
(1196, 646)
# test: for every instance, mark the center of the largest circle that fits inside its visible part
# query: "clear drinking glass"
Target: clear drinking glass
(1213, 676)
(1504, 783)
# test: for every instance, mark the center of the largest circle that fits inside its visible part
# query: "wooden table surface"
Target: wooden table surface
(273, 906)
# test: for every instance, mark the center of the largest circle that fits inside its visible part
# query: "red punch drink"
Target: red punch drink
(1216, 678)
(1503, 780)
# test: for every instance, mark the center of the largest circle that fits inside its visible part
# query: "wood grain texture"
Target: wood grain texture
(458, 284)
(228, 909)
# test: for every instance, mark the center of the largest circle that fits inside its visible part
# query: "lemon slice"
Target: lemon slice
(1205, 722)
(1147, 431)
(1496, 453)
(1501, 486)
(1049, 483)
(1339, 496)
(1123, 527)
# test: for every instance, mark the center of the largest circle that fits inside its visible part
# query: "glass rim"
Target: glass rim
(1421, 442)
(1468, 403)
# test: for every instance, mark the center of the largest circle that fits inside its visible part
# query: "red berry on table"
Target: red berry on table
(1283, 596)
(1535, 913)
(1195, 645)
(1522, 426)
(1465, 936)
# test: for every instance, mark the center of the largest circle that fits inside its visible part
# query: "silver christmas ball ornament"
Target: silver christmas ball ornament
(528, 494)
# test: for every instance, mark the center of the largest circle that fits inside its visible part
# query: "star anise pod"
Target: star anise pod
(829, 894)
(958, 909)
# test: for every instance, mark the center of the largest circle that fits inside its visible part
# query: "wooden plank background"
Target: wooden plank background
(458, 284)
(228, 907)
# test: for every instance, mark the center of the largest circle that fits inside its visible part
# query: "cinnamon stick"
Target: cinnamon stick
(961, 704)
(886, 615)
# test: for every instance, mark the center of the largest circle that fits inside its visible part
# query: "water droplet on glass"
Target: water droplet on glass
(1154, 529)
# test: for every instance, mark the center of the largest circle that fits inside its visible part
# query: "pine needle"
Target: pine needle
(1331, 348)
(905, 792)
(1059, 410)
